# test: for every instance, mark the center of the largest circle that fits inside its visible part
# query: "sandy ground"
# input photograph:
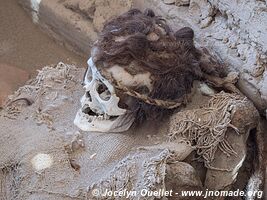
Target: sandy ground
(24, 45)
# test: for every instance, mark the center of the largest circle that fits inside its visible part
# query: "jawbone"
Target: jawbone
(93, 123)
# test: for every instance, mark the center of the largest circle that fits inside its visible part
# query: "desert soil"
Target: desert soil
(24, 45)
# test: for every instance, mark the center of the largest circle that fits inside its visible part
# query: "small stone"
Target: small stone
(229, 165)
(182, 176)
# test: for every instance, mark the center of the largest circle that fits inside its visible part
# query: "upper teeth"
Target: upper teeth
(99, 117)
(106, 117)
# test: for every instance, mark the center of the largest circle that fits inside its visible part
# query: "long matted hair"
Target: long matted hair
(170, 57)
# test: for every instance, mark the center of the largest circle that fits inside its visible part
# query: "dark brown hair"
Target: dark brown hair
(170, 57)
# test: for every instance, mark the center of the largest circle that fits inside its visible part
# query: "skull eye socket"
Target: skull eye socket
(103, 91)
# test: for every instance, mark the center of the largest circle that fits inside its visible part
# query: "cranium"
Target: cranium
(152, 68)
(100, 110)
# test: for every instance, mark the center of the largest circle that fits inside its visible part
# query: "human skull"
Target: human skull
(100, 111)
(136, 53)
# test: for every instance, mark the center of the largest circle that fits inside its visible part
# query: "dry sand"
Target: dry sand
(24, 45)
(24, 48)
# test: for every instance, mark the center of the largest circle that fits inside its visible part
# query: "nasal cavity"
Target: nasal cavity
(88, 96)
